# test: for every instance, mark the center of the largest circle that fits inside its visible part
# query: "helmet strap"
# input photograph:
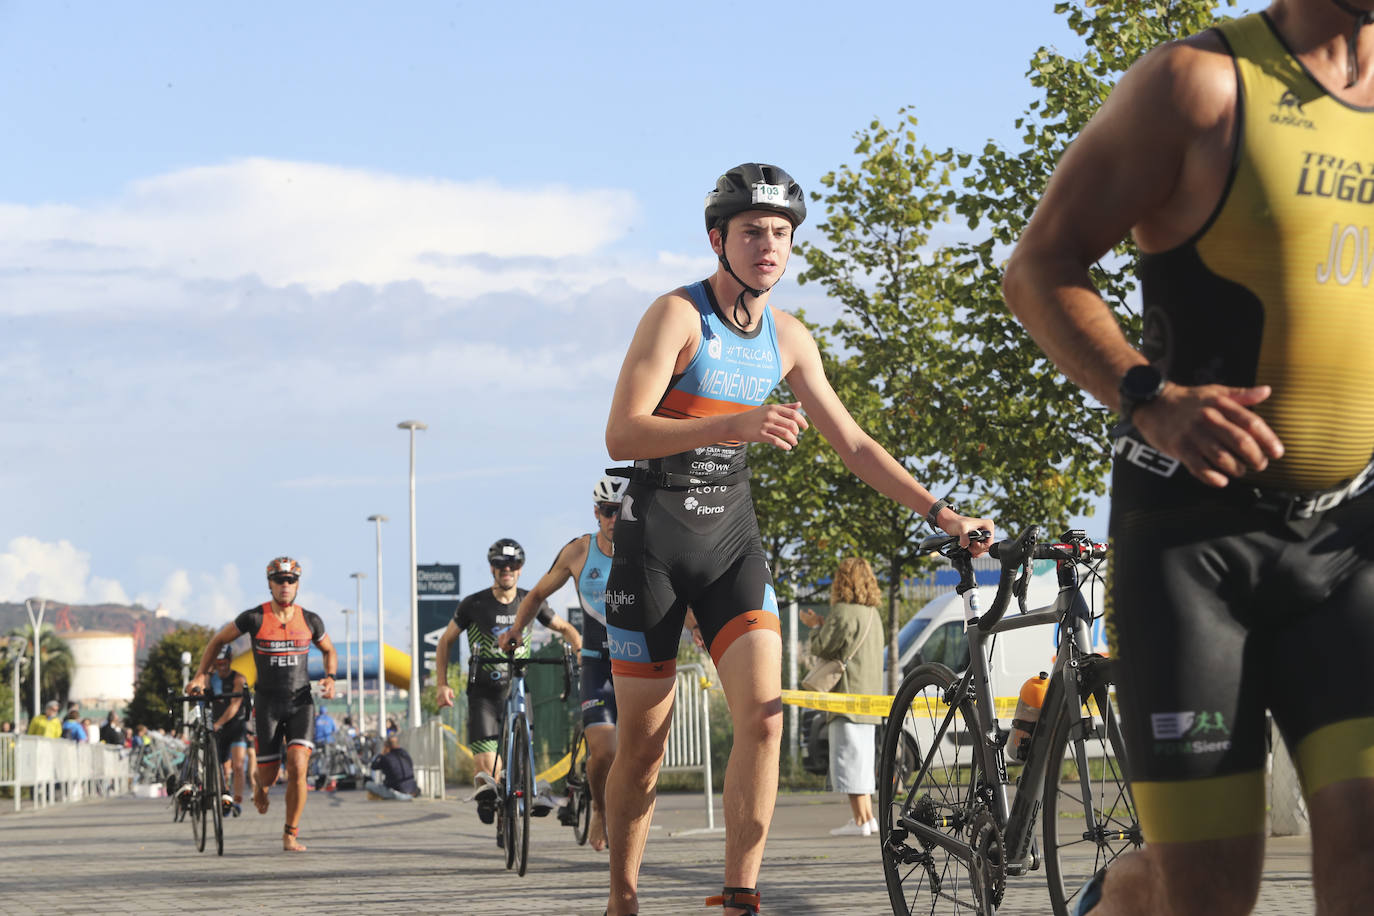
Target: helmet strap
(739, 300)
(1352, 56)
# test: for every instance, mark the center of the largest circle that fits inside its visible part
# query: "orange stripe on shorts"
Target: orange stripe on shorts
(621, 668)
(738, 626)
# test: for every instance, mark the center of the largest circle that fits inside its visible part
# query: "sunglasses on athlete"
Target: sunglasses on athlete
(506, 564)
(608, 510)
(284, 580)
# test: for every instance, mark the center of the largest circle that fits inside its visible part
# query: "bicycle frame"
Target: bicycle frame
(1019, 817)
(516, 705)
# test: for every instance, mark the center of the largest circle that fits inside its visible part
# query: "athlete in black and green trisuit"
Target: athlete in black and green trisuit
(482, 616)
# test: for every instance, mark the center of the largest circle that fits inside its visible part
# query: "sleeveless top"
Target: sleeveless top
(280, 651)
(730, 373)
(591, 594)
(1275, 289)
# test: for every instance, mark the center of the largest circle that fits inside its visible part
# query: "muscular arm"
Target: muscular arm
(868, 460)
(331, 664)
(1153, 161)
(237, 683)
(224, 637)
(560, 572)
(663, 345)
(566, 631)
(441, 655)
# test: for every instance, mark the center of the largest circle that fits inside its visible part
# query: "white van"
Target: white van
(936, 633)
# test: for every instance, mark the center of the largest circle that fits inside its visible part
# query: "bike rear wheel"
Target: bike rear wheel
(522, 780)
(1090, 816)
(580, 796)
(214, 778)
(946, 796)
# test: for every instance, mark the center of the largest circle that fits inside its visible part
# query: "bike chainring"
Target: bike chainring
(988, 868)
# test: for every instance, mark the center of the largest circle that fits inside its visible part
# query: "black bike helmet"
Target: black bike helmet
(506, 550)
(755, 186)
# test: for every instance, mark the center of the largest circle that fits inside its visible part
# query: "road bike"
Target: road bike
(200, 790)
(953, 825)
(515, 754)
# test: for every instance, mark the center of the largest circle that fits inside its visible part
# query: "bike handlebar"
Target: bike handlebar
(1017, 553)
(566, 661)
(208, 697)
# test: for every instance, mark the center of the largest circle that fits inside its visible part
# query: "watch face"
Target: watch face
(1142, 383)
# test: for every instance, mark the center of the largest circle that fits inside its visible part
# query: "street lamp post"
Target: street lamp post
(17, 660)
(381, 643)
(358, 577)
(37, 624)
(413, 425)
(348, 660)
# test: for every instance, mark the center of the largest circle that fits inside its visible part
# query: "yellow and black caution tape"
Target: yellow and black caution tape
(864, 704)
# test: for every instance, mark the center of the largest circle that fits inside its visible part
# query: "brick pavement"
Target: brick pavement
(126, 856)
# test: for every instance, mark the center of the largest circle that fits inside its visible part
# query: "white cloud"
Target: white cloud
(57, 571)
(212, 599)
(316, 226)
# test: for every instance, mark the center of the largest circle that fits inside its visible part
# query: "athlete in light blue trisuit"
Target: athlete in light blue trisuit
(587, 560)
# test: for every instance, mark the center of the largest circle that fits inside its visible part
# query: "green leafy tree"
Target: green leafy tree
(160, 676)
(55, 660)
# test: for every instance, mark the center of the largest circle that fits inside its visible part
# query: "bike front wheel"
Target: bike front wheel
(214, 778)
(918, 800)
(580, 796)
(522, 781)
(1090, 816)
(195, 799)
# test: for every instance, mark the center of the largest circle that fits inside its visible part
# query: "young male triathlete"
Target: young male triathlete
(689, 399)
(230, 721)
(483, 616)
(282, 634)
(1242, 162)
(587, 561)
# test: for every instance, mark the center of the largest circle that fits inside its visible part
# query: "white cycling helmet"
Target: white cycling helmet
(610, 489)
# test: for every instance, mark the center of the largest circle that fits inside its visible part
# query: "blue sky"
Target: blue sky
(238, 246)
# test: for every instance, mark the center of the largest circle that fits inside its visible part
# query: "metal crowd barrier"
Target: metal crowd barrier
(425, 745)
(689, 737)
(61, 770)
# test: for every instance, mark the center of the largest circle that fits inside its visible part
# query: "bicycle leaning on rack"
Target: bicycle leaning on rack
(515, 755)
(952, 825)
(200, 790)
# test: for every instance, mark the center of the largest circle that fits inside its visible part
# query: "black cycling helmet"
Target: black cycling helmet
(505, 552)
(225, 653)
(752, 186)
(755, 186)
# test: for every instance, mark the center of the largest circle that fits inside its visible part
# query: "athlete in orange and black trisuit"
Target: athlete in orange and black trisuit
(282, 634)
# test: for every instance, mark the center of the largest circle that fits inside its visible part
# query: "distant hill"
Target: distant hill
(146, 626)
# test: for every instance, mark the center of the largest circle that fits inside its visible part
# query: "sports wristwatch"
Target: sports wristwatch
(935, 511)
(1140, 385)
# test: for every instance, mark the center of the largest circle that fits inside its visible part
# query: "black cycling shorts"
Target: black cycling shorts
(597, 691)
(486, 709)
(281, 722)
(233, 732)
(1223, 611)
(682, 547)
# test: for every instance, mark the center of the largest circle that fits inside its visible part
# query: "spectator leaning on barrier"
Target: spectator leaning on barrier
(110, 732)
(6, 727)
(72, 727)
(853, 633)
(398, 773)
(47, 725)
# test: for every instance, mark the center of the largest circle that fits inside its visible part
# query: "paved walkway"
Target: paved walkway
(126, 856)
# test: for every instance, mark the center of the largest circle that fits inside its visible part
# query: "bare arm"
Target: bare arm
(224, 637)
(238, 682)
(869, 461)
(663, 344)
(1152, 160)
(331, 664)
(444, 692)
(567, 632)
(561, 571)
